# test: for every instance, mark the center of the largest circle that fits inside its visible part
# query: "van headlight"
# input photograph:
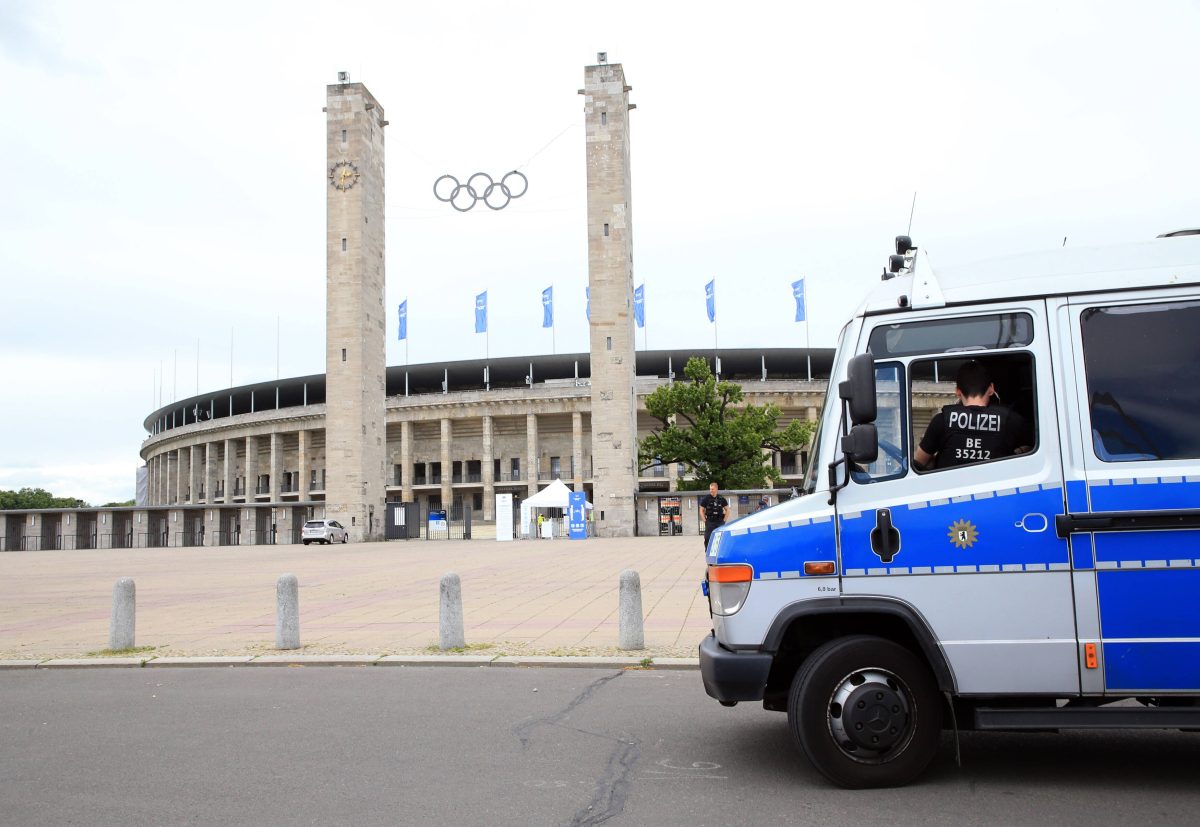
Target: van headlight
(728, 587)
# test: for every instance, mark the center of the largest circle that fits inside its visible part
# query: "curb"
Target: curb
(531, 661)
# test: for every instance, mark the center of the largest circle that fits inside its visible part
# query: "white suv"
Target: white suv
(324, 531)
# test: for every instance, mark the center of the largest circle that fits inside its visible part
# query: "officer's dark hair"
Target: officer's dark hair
(973, 379)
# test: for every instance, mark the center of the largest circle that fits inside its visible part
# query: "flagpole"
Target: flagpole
(716, 347)
(553, 322)
(807, 347)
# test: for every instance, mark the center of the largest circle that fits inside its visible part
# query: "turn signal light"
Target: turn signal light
(739, 573)
(1089, 655)
(820, 567)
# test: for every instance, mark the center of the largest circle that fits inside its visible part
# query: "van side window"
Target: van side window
(1142, 364)
(967, 411)
(891, 424)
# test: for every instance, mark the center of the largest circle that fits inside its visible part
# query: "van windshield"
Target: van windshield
(829, 414)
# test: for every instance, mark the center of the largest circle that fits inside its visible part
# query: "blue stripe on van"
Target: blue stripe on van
(1013, 528)
(1145, 494)
(779, 551)
(1077, 502)
(1130, 666)
(1149, 603)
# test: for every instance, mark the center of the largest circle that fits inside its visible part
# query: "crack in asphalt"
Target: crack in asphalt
(612, 789)
(523, 730)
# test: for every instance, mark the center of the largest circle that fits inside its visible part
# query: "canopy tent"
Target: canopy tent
(554, 495)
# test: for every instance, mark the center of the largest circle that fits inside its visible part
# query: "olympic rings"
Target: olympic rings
(469, 190)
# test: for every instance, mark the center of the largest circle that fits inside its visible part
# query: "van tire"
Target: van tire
(900, 710)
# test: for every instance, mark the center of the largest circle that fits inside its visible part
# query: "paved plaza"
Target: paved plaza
(527, 597)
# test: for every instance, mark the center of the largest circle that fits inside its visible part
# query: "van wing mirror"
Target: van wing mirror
(858, 391)
(861, 445)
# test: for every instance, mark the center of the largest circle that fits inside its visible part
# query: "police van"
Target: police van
(1048, 583)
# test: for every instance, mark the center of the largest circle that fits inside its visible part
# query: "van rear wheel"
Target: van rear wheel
(866, 712)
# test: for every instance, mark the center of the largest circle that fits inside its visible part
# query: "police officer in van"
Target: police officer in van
(715, 509)
(972, 430)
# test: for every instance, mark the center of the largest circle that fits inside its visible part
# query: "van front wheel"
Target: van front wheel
(866, 712)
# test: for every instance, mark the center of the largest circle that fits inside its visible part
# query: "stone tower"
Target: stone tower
(355, 427)
(610, 280)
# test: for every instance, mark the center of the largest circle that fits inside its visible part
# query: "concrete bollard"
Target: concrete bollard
(629, 610)
(287, 612)
(450, 620)
(124, 611)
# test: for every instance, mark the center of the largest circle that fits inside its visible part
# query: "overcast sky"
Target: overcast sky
(166, 174)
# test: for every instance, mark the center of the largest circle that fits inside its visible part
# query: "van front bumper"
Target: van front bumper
(733, 676)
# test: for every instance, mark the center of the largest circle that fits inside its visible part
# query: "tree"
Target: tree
(705, 426)
(35, 498)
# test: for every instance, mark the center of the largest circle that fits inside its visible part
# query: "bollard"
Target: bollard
(450, 625)
(124, 610)
(287, 612)
(630, 634)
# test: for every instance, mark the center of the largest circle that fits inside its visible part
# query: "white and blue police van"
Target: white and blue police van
(1052, 585)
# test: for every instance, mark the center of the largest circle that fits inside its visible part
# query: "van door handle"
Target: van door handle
(885, 539)
(1164, 520)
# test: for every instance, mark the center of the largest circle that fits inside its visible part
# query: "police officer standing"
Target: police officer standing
(715, 509)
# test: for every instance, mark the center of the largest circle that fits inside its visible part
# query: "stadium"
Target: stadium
(250, 464)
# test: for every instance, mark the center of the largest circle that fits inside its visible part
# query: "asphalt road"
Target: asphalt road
(445, 745)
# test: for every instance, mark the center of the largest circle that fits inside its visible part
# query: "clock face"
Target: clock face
(343, 175)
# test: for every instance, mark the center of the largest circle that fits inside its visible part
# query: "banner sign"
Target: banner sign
(577, 515)
(504, 520)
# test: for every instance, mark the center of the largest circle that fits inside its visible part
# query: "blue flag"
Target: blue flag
(588, 309)
(404, 320)
(548, 307)
(481, 312)
(798, 293)
(639, 305)
(710, 299)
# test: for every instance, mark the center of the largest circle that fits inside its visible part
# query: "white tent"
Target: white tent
(554, 495)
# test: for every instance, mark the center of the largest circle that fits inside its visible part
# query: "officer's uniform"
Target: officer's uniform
(962, 434)
(714, 514)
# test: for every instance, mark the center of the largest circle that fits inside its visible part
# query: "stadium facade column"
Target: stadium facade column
(210, 472)
(577, 450)
(532, 466)
(303, 461)
(230, 467)
(406, 466)
(355, 427)
(444, 460)
(195, 473)
(610, 281)
(487, 471)
(251, 468)
(276, 465)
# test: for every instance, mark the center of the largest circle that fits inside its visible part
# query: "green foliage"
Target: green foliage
(37, 498)
(706, 426)
(120, 504)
